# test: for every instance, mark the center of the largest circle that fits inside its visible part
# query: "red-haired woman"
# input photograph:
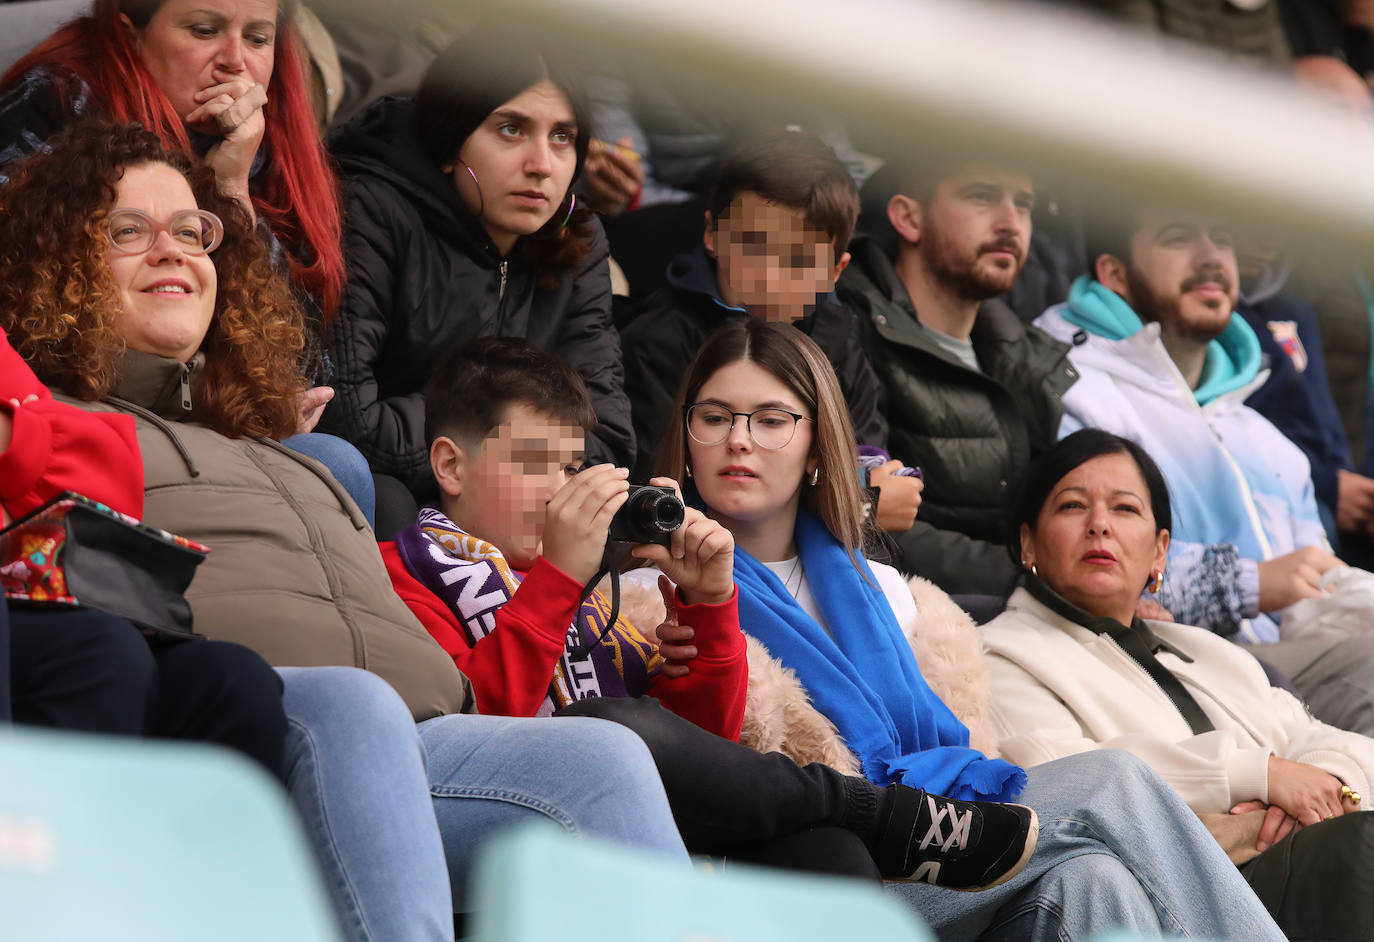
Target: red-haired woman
(220, 80)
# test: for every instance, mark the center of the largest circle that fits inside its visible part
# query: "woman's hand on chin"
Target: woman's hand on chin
(700, 559)
(232, 111)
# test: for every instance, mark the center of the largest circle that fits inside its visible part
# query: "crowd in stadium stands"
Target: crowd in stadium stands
(988, 545)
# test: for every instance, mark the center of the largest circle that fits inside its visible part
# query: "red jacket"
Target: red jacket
(512, 667)
(55, 447)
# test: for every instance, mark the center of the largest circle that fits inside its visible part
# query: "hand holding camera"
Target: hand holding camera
(699, 557)
(578, 519)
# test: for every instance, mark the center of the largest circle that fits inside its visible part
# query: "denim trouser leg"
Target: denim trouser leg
(345, 462)
(1106, 811)
(355, 771)
(487, 773)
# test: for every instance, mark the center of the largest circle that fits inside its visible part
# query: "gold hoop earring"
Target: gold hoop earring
(1035, 572)
(815, 475)
(1158, 582)
(689, 471)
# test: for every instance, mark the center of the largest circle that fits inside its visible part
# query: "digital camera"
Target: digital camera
(650, 515)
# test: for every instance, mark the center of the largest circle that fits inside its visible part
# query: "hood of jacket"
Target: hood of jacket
(1233, 358)
(383, 144)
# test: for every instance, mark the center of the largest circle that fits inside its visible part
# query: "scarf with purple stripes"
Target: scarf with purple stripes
(474, 580)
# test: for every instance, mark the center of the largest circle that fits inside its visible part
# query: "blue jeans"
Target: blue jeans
(1118, 849)
(345, 462)
(381, 824)
(589, 776)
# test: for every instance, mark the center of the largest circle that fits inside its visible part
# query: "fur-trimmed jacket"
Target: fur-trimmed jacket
(778, 715)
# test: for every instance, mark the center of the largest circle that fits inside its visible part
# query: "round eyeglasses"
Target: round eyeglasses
(195, 231)
(710, 424)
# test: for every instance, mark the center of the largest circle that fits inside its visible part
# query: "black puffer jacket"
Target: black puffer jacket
(665, 331)
(424, 278)
(972, 433)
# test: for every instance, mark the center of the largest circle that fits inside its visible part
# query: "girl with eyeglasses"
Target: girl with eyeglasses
(766, 448)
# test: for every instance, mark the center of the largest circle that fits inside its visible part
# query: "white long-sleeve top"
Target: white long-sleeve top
(1058, 688)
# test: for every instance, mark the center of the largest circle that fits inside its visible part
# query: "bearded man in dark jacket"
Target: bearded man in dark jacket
(970, 392)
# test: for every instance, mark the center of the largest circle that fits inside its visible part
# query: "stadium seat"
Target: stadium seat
(540, 883)
(119, 839)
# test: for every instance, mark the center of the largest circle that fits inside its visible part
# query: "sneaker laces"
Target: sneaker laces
(960, 826)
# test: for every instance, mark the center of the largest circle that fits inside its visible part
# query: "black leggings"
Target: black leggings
(85, 670)
(731, 801)
(1315, 882)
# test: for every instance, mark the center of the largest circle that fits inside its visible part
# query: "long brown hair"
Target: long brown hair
(795, 360)
(59, 305)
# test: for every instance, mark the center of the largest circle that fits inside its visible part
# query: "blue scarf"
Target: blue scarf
(1233, 357)
(865, 678)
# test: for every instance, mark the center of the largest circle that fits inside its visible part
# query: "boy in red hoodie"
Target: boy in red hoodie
(496, 573)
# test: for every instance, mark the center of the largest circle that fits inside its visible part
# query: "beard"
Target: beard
(962, 273)
(1153, 306)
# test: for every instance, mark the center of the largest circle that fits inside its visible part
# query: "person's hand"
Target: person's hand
(577, 518)
(700, 557)
(1304, 791)
(1150, 610)
(1276, 825)
(1294, 576)
(1354, 501)
(233, 112)
(613, 176)
(674, 640)
(310, 406)
(898, 497)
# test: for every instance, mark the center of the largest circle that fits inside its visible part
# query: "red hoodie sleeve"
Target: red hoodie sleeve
(713, 691)
(55, 447)
(512, 667)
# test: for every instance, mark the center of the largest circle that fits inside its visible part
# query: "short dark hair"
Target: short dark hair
(1049, 469)
(471, 389)
(1110, 231)
(794, 168)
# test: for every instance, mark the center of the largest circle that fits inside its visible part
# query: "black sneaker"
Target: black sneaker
(960, 845)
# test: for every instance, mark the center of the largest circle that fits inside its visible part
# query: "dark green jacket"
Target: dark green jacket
(973, 434)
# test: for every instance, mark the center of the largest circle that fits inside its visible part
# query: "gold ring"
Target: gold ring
(1350, 795)
(1328, 817)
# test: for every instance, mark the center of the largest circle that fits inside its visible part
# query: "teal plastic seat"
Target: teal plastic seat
(539, 883)
(112, 839)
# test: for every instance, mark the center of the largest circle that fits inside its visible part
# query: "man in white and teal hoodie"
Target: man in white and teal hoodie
(1164, 360)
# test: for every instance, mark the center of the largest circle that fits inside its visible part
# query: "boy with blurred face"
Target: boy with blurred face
(778, 223)
(496, 572)
(969, 392)
(1166, 361)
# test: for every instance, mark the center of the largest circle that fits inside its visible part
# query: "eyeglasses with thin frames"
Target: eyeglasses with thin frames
(771, 429)
(195, 231)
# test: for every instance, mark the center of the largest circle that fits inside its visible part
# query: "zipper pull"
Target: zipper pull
(185, 388)
(500, 295)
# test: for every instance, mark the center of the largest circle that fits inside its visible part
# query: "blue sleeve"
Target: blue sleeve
(1297, 398)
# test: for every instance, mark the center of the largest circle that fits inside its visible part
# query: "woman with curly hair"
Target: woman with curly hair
(132, 285)
(462, 223)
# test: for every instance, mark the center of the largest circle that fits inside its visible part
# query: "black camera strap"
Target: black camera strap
(610, 566)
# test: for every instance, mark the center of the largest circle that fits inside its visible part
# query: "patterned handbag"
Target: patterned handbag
(75, 552)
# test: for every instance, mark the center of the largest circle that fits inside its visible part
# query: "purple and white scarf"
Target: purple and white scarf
(474, 580)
